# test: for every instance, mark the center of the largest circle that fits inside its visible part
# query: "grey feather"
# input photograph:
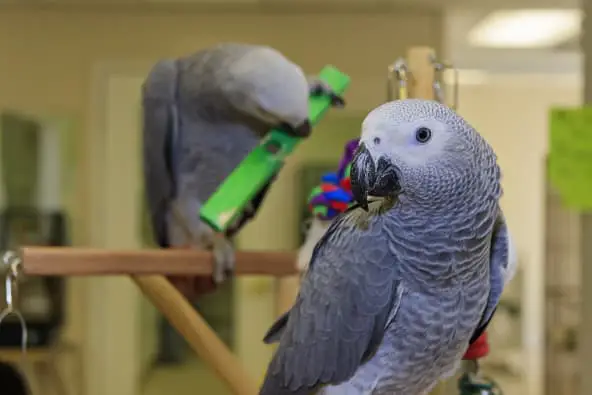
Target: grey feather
(160, 124)
(499, 259)
(342, 310)
(275, 332)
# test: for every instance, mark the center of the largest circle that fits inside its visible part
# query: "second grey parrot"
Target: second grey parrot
(203, 114)
(399, 285)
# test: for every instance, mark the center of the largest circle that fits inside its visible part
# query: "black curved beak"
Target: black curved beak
(304, 130)
(368, 178)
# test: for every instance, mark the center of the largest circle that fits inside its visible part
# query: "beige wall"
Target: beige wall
(512, 113)
(50, 58)
(47, 65)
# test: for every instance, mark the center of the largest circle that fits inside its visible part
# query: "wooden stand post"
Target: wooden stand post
(197, 332)
(422, 72)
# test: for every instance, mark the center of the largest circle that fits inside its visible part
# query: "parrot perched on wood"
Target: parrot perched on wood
(403, 282)
(203, 114)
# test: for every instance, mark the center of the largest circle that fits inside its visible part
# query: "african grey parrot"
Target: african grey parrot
(203, 114)
(401, 283)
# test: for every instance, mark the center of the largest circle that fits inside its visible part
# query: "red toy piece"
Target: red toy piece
(479, 349)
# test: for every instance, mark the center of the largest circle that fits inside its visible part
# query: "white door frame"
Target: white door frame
(111, 340)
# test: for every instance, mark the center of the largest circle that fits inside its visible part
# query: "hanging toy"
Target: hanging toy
(471, 381)
(333, 196)
(327, 200)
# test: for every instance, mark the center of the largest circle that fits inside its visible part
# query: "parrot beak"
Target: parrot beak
(302, 131)
(380, 180)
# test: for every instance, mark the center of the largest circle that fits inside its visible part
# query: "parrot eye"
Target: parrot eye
(376, 140)
(423, 135)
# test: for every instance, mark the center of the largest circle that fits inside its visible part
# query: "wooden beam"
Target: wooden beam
(419, 61)
(197, 332)
(60, 261)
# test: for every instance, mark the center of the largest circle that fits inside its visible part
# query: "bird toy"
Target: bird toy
(471, 381)
(332, 197)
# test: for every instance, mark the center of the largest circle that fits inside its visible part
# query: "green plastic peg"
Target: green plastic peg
(257, 169)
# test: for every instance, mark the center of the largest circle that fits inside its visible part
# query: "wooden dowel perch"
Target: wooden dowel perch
(59, 261)
(197, 332)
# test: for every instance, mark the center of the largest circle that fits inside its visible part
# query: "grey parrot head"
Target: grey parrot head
(264, 83)
(421, 151)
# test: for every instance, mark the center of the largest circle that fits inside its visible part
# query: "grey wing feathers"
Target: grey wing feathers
(160, 123)
(501, 267)
(274, 333)
(347, 298)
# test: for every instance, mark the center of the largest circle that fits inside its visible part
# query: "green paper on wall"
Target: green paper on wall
(570, 156)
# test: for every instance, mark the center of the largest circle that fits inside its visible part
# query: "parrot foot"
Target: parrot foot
(224, 259)
(318, 87)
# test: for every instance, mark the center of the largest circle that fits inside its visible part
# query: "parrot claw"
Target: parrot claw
(224, 260)
(318, 87)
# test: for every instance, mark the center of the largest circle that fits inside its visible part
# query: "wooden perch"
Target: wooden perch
(197, 332)
(60, 261)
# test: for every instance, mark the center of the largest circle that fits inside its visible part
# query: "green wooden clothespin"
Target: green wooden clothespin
(257, 169)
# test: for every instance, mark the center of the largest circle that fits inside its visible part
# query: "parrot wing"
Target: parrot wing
(502, 267)
(348, 297)
(160, 128)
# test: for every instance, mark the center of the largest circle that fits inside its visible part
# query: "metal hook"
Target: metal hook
(439, 69)
(397, 79)
(10, 268)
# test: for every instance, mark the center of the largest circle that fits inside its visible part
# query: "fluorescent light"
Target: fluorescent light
(526, 28)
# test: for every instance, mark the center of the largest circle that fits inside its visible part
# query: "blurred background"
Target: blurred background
(70, 155)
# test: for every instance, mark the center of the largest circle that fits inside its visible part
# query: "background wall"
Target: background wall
(511, 111)
(48, 55)
(51, 59)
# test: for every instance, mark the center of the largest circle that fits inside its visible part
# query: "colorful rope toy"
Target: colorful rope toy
(333, 196)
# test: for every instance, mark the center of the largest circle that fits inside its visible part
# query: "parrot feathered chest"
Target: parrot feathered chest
(444, 273)
(401, 283)
(445, 290)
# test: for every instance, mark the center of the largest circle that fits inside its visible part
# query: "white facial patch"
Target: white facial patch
(399, 141)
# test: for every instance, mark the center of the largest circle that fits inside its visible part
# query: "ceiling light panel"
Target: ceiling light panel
(526, 28)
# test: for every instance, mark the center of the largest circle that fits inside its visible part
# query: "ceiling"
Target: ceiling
(562, 59)
(460, 17)
(335, 5)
